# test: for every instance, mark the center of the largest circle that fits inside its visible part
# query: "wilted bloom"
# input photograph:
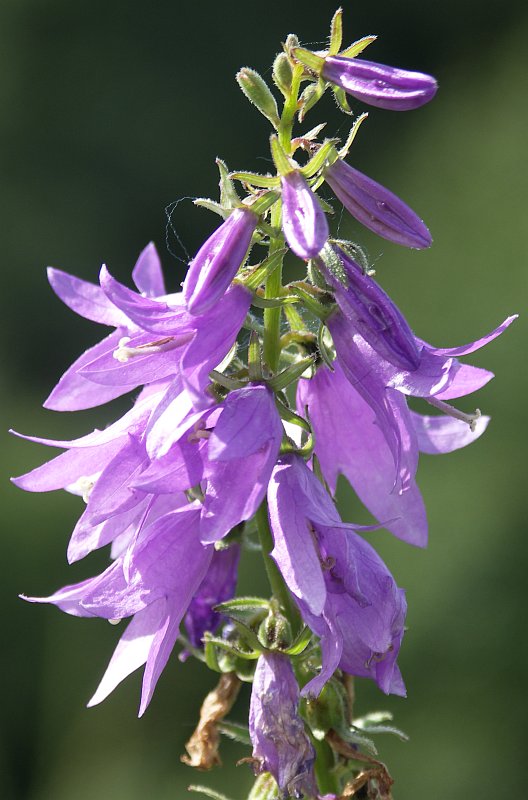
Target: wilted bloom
(344, 591)
(378, 85)
(376, 207)
(303, 220)
(218, 260)
(280, 743)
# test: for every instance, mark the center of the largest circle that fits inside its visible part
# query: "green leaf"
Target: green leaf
(235, 731)
(352, 135)
(228, 196)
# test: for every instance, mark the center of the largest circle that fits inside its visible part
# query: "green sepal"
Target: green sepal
(212, 205)
(310, 96)
(211, 657)
(264, 788)
(314, 62)
(228, 195)
(254, 357)
(280, 158)
(246, 655)
(324, 351)
(264, 202)
(343, 152)
(333, 264)
(353, 736)
(273, 302)
(289, 416)
(290, 374)
(207, 792)
(282, 74)
(373, 723)
(300, 643)
(357, 47)
(247, 610)
(312, 304)
(254, 277)
(254, 179)
(336, 32)
(258, 92)
(235, 731)
(325, 156)
(328, 711)
(341, 99)
(226, 381)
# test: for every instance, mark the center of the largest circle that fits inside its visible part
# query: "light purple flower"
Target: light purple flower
(154, 582)
(218, 260)
(378, 85)
(372, 313)
(377, 208)
(303, 220)
(241, 454)
(344, 591)
(350, 442)
(280, 743)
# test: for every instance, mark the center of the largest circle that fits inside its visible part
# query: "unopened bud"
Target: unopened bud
(257, 92)
(282, 73)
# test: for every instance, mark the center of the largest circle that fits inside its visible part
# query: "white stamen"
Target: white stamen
(469, 419)
(123, 353)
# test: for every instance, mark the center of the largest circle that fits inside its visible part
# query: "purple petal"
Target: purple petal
(217, 586)
(248, 421)
(180, 469)
(158, 316)
(377, 208)
(378, 85)
(113, 492)
(443, 434)
(86, 299)
(147, 273)
(465, 379)
(218, 260)
(303, 220)
(464, 350)
(349, 441)
(74, 392)
(294, 551)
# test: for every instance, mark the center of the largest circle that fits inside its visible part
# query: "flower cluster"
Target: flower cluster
(243, 417)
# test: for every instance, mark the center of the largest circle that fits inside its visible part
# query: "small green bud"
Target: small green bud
(258, 93)
(282, 73)
(327, 712)
(275, 632)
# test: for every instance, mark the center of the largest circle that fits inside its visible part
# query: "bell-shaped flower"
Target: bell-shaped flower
(344, 591)
(241, 453)
(379, 85)
(153, 582)
(303, 220)
(218, 260)
(349, 441)
(280, 743)
(377, 208)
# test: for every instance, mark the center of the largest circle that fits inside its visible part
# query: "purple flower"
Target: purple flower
(344, 591)
(280, 743)
(218, 260)
(153, 582)
(372, 313)
(303, 220)
(156, 338)
(376, 207)
(217, 586)
(378, 85)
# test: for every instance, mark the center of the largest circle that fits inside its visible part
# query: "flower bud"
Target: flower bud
(218, 260)
(378, 85)
(303, 220)
(376, 207)
(258, 93)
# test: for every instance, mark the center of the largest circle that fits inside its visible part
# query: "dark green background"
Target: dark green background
(110, 111)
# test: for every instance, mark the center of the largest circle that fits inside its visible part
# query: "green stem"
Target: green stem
(272, 316)
(324, 764)
(278, 587)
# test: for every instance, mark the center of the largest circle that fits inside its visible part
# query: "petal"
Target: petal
(465, 379)
(443, 434)
(464, 350)
(248, 421)
(147, 273)
(303, 220)
(86, 299)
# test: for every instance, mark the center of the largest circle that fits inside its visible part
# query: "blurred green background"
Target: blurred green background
(110, 110)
